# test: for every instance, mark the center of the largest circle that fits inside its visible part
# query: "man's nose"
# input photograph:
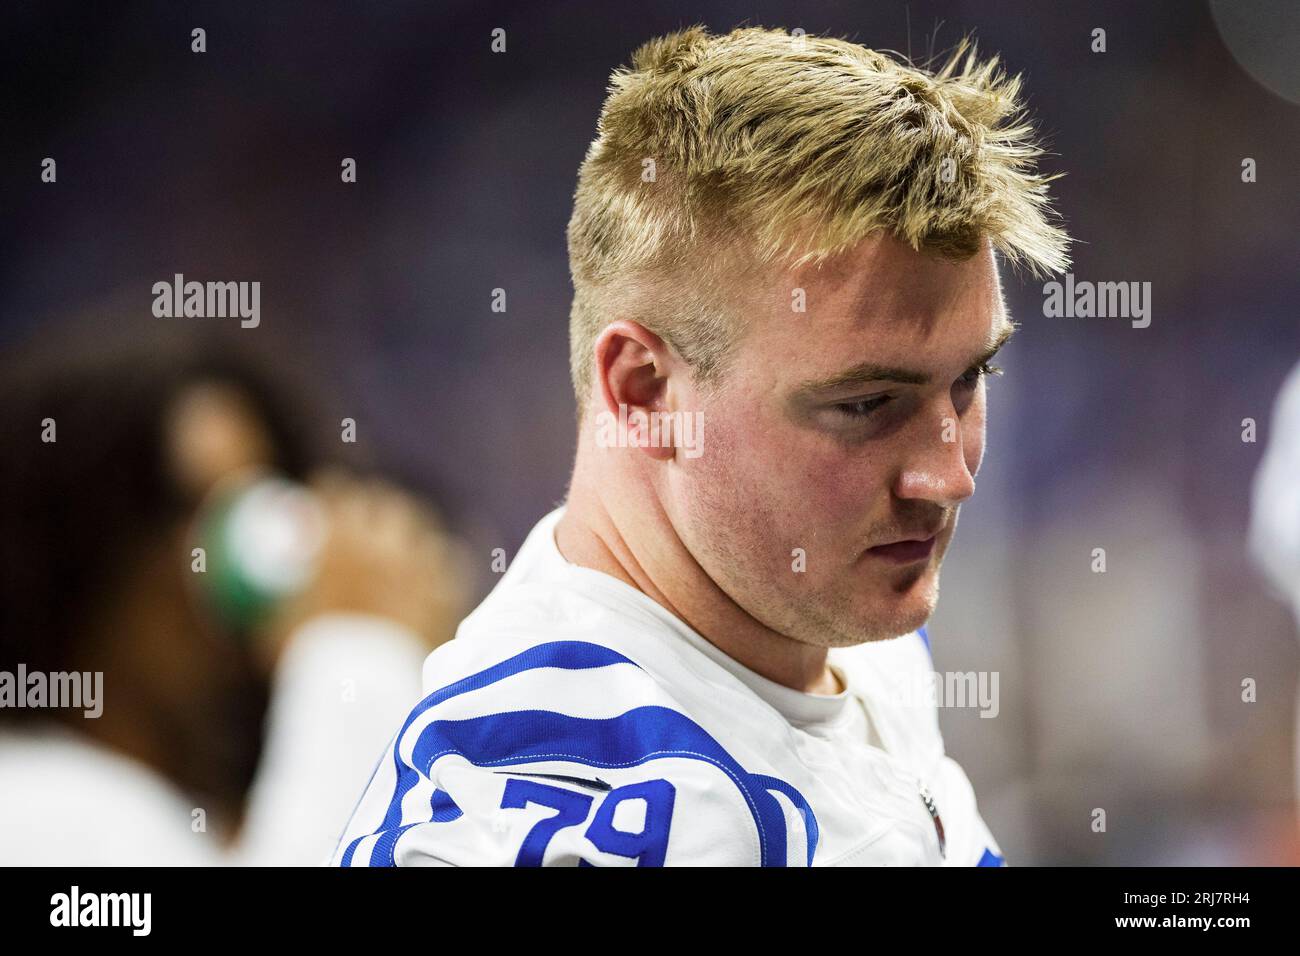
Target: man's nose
(934, 463)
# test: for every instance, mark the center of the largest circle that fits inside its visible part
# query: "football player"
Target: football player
(784, 252)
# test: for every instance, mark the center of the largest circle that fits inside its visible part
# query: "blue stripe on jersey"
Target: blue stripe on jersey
(925, 638)
(628, 740)
(443, 808)
(570, 655)
(632, 738)
(991, 859)
(385, 846)
(809, 818)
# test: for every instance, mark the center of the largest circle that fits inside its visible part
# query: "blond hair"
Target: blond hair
(721, 153)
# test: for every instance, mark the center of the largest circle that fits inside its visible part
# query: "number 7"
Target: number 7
(572, 807)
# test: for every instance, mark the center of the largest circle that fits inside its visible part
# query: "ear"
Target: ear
(635, 372)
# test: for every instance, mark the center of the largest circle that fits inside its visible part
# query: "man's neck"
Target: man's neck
(645, 552)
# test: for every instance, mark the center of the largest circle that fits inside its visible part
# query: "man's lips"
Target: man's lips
(905, 552)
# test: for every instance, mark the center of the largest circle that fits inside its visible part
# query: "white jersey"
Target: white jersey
(574, 721)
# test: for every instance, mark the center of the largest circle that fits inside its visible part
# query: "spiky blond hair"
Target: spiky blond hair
(767, 147)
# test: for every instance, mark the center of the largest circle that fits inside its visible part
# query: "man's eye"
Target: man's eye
(862, 408)
(972, 378)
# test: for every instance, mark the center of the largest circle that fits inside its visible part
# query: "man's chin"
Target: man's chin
(901, 610)
(873, 610)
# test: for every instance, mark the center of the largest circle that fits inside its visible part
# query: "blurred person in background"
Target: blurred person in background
(1275, 511)
(245, 687)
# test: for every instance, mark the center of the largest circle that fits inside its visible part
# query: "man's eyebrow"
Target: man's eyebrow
(1007, 330)
(871, 372)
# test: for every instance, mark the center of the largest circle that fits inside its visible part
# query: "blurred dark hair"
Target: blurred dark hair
(73, 512)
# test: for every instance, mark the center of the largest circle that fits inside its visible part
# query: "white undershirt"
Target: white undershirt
(831, 716)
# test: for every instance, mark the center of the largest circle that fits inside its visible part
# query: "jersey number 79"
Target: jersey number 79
(648, 847)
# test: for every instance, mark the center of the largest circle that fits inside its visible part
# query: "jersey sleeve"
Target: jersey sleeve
(566, 754)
